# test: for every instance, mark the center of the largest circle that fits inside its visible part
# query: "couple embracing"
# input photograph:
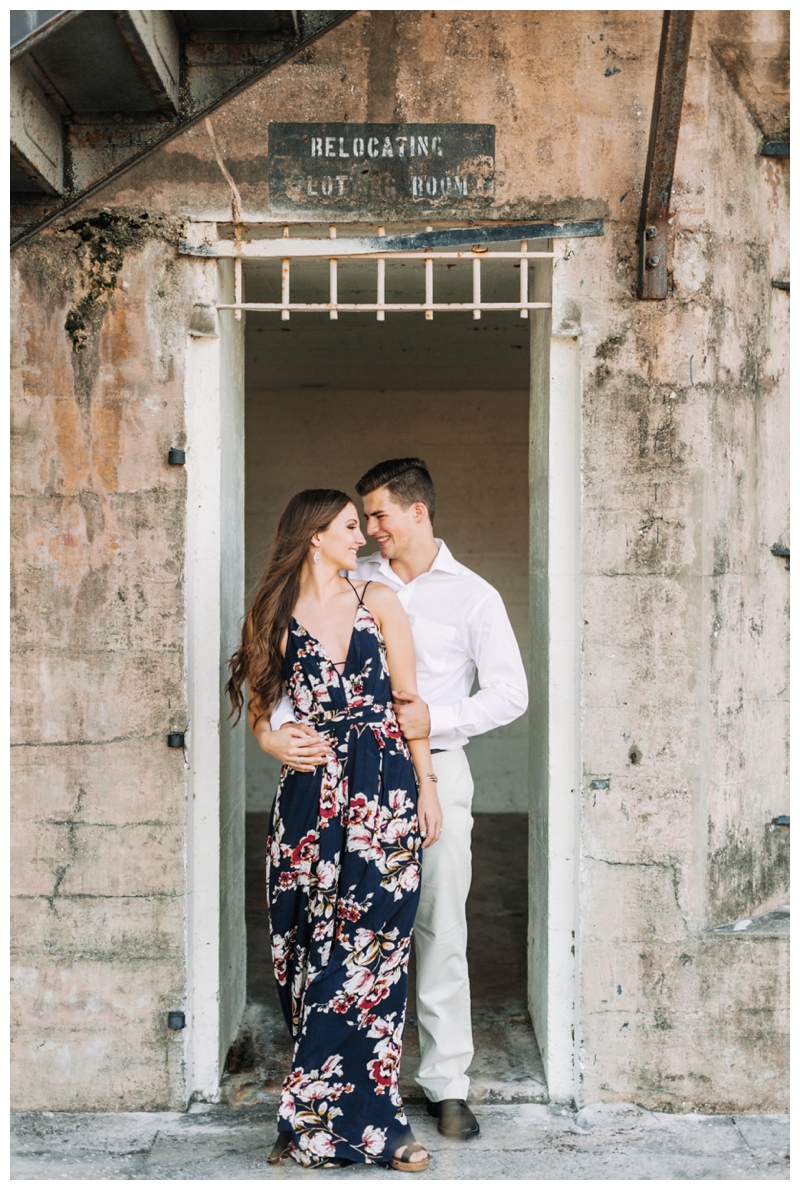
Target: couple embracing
(361, 688)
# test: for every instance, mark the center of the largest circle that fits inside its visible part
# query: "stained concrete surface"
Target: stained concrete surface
(507, 1067)
(527, 1141)
(522, 1137)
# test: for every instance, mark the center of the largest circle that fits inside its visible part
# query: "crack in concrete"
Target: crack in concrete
(61, 871)
(84, 492)
(155, 896)
(72, 844)
(60, 874)
(735, 1123)
(627, 863)
(118, 739)
(148, 1152)
(71, 825)
(236, 198)
(70, 822)
(666, 865)
(55, 651)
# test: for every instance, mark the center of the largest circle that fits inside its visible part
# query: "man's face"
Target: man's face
(393, 527)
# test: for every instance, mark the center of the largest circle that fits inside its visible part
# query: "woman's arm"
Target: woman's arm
(393, 623)
(295, 744)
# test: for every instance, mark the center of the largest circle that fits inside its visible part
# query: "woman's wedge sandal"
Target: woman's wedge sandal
(280, 1149)
(400, 1160)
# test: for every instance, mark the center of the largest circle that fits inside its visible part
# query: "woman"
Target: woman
(343, 856)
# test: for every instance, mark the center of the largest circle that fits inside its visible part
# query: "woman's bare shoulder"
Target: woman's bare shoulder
(383, 603)
(376, 593)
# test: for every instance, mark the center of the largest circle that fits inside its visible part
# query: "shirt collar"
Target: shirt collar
(444, 560)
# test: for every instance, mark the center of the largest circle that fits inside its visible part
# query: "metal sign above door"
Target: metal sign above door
(451, 244)
(345, 168)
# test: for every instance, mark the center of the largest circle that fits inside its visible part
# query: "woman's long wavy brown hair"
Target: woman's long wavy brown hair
(258, 660)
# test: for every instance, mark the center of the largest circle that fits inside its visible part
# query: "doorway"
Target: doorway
(324, 401)
(493, 404)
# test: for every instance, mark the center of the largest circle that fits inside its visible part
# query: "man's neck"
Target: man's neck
(416, 559)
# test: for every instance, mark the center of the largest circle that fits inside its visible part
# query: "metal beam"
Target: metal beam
(673, 59)
(26, 34)
(153, 41)
(36, 140)
(424, 242)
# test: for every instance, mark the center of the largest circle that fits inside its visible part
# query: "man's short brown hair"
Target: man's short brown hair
(407, 481)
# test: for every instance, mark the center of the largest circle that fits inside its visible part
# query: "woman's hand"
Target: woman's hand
(429, 813)
(295, 744)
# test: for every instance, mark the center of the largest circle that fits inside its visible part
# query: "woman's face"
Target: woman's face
(341, 541)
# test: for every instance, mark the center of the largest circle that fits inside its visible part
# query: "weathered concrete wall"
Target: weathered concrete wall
(98, 809)
(685, 638)
(684, 648)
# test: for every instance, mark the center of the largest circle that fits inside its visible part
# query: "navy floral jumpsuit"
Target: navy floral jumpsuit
(343, 875)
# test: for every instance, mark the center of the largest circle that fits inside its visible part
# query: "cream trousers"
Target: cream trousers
(440, 938)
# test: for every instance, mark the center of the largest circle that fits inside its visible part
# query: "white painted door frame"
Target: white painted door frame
(215, 927)
(216, 951)
(555, 755)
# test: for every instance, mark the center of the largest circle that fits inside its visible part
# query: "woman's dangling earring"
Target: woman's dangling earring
(316, 556)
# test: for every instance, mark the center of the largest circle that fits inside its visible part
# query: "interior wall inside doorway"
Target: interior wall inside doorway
(325, 400)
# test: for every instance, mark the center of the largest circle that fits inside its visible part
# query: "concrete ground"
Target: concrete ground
(522, 1136)
(526, 1141)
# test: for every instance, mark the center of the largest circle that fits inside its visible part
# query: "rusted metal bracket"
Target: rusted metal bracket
(673, 59)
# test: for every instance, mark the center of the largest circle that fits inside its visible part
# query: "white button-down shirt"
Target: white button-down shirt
(460, 626)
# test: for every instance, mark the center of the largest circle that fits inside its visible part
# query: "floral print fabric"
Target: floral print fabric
(343, 873)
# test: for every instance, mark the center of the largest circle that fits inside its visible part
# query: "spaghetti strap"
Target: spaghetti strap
(360, 597)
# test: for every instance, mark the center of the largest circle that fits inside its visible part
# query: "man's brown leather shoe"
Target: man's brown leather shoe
(456, 1121)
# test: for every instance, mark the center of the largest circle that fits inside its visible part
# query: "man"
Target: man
(460, 626)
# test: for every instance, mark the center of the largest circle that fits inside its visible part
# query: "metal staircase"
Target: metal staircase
(94, 92)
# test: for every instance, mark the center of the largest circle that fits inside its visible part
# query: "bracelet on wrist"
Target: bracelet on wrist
(429, 777)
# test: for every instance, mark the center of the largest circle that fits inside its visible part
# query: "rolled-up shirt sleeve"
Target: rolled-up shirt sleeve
(283, 713)
(503, 694)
